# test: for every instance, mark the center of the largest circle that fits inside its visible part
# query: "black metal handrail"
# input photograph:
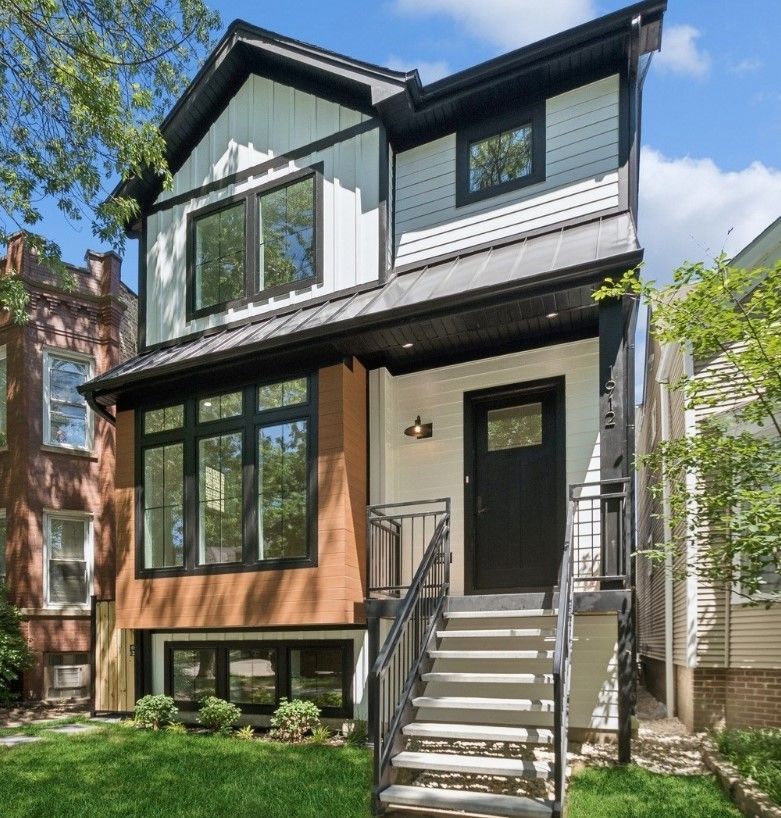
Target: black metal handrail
(397, 537)
(562, 655)
(396, 670)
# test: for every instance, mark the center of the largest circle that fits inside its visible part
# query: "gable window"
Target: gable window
(68, 558)
(249, 458)
(67, 421)
(3, 398)
(501, 155)
(260, 243)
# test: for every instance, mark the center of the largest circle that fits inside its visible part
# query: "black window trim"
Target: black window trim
(250, 198)
(189, 434)
(533, 114)
(283, 648)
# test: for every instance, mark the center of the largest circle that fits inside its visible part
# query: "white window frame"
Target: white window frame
(83, 516)
(4, 362)
(50, 353)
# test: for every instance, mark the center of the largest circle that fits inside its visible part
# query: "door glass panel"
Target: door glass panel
(515, 427)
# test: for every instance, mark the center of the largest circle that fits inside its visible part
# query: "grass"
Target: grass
(119, 771)
(631, 792)
(757, 755)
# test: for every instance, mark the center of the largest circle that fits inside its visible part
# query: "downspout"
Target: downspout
(669, 667)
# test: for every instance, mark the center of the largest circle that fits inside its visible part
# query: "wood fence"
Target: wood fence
(114, 662)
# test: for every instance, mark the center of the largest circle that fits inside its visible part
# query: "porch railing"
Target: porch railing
(398, 535)
(396, 671)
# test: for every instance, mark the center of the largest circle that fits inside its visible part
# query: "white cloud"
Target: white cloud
(689, 206)
(680, 53)
(429, 70)
(506, 23)
(748, 65)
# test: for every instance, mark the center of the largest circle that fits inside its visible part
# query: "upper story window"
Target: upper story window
(67, 421)
(260, 243)
(68, 558)
(501, 155)
(227, 481)
(3, 398)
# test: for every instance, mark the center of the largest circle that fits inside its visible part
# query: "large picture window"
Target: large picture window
(500, 155)
(257, 675)
(249, 457)
(68, 562)
(67, 421)
(264, 242)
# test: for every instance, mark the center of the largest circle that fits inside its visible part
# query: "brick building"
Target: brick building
(57, 459)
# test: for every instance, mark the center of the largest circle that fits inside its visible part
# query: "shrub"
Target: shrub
(217, 714)
(358, 734)
(154, 711)
(320, 735)
(15, 656)
(245, 733)
(757, 754)
(177, 728)
(292, 720)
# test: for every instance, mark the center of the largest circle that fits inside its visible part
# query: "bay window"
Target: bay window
(227, 481)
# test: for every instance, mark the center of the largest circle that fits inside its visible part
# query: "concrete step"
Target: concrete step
(478, 732)
(491, 654)
(513, 614)
(514, 633)
(477, 764)
(489, 678)
(472, 703)
(458, 801)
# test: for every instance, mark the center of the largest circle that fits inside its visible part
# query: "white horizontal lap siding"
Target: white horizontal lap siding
(755, 636)
(594, 688)
(360, 654)
(432, 468)
(581, 178)
(265, 120)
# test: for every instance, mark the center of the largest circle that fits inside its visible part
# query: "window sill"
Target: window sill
(85, 453)
(69, 610)
(226, 568)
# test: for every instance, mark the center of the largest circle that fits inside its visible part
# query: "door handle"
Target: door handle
(481, 509)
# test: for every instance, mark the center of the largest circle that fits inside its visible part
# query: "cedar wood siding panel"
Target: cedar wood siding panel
(330, 594)
(265, 120)
(581, 178)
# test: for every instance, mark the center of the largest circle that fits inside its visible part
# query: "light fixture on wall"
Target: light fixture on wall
(419, 430)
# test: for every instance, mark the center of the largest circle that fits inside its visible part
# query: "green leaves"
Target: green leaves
(724, 479)
(83, 84)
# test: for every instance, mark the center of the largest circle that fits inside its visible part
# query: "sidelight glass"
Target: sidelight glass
(220, 512)
(515, 427)
(163, 506)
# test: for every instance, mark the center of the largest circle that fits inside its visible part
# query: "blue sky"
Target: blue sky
(711, 119)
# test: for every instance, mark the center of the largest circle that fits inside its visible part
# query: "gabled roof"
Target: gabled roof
(564, 255)
(411, 112)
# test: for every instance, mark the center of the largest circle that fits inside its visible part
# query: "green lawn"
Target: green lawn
(631, 792)
(757, 754)
(124, 772)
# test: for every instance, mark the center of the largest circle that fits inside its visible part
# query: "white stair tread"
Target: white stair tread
(480, 765)
(522, 633)
(474, 703)
(478, 732)
(490, 678)
(474, 803)
(491, 654)
(514, 614)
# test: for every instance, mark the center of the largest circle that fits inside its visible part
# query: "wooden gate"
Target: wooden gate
(114, 662)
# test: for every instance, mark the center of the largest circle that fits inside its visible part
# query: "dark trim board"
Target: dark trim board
(471, 399)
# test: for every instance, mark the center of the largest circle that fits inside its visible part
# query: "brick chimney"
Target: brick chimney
(106, 268)
(15, 254)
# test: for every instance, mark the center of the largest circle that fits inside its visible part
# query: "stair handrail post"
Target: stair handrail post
(562, 656)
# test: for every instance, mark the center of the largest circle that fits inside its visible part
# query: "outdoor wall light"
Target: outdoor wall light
(419, 430)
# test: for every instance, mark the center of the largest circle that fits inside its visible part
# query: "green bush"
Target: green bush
(154, 711)
(293, 720)
(177, 728)
(320, 735)
(358, 734)
(15, 656)
(756, 754)
(217, 714)
(245, 733)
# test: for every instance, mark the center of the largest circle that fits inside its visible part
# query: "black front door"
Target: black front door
(515, 489)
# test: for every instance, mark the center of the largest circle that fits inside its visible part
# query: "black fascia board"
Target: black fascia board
(106, 391)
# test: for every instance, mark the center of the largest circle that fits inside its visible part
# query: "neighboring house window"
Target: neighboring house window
(264, 242)
(2, 544)
(68, 561)
(3, 397)
(67, 421)
(501, 155)
(257, 675)
(250, 455)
